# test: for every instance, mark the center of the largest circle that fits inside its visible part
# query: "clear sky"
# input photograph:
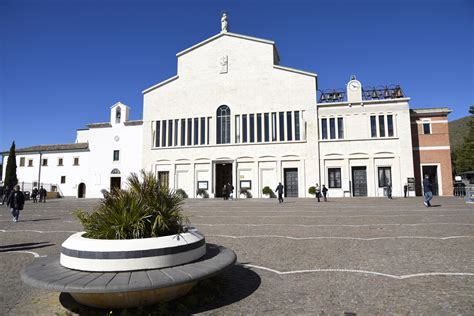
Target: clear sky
(64, 63)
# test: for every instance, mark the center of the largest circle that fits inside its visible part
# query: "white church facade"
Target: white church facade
(233, 114)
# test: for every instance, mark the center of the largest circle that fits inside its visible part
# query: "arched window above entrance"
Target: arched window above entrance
(223, 125)
(115, 171)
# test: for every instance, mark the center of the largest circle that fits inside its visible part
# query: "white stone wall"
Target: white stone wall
(358, 148)
(252, 84)
(102, 143)
(52, 173)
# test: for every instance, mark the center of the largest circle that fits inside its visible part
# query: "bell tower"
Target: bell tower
(119, 113)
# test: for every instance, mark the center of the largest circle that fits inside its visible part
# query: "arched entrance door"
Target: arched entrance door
(81, 191)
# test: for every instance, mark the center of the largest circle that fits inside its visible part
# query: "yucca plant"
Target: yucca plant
(144, 210)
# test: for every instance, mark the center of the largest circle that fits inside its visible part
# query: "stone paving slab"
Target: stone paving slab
(287, 275)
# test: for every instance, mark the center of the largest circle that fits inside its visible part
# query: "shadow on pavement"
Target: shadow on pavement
(25, 246)
(231, 286)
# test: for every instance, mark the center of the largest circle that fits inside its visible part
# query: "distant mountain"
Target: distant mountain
(458, 129)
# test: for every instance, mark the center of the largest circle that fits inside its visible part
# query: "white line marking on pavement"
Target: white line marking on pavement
(37, 231)
(35, 254)
(330, 216)
(334, 225)
(348, 238)
(399, 277)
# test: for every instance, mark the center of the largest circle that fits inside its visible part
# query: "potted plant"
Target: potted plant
(312, 190)
(202, 193)
(245, 193)
(269, 192)
(142, 227)
(181, 193)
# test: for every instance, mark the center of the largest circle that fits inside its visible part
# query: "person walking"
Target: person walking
(6, 194)
(34, 195)
(325, 192)
(428, 191)
(318, 192)
(230, 190)
(279, 190)
(16, 201)
(42, 194)
(389, 191)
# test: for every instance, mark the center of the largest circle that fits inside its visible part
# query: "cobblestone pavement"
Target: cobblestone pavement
(365, 256)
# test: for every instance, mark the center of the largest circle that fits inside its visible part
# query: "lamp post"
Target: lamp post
(39, 169)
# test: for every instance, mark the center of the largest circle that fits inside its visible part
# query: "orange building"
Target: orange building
(431, 149)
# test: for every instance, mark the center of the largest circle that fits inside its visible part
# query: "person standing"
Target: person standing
(16, 201)
(428, 191)
(405, 190)
(42, 194)
(224, 191)
(279, 190)
(318, 192)
(34, 195)
(325, 192)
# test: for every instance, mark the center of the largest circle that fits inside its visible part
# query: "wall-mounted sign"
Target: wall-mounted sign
(203, 185)
(246, 184)
(411, 184)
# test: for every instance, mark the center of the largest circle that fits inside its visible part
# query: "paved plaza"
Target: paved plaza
(363, 256)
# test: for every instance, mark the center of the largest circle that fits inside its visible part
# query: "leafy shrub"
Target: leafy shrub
(202, 193)
(246, 193)
(269, 192)
(182, 193)
(144, 210)
(312, 190)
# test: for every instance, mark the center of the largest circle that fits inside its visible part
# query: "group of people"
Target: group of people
(318, 191)
(228, 191)
(42, 195)
(15, 199)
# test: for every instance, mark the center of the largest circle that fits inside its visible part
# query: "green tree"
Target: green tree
(10, 173)
(464, 155)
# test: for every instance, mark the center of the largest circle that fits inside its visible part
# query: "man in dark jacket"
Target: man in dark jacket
(427, 189)
(42, 194)
(16, 201)
(279, 189)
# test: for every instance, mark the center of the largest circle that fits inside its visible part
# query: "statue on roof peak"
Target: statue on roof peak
(224, 22)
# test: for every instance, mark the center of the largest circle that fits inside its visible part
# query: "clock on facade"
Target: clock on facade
(354, 85)
(117, 138)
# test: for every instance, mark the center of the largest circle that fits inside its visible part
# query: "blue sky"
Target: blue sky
(64, 63)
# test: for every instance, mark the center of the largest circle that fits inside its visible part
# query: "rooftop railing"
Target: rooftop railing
(368, 93)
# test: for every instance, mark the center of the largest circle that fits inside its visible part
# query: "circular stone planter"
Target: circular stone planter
(125, 289)
(103, 255)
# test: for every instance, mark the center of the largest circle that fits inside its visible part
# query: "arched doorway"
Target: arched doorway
(81, 191)
(115, 179)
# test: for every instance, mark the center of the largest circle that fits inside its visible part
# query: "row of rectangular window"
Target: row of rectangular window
(333, 128)
(384, 176)
(182, 132)
(44, 162)
(378, 128)
(247, 124)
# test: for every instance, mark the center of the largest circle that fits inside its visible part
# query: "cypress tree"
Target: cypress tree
(10, 172)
